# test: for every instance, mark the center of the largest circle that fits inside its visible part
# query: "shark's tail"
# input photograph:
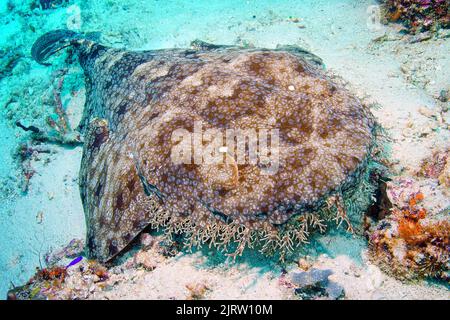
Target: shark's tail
(52, 42)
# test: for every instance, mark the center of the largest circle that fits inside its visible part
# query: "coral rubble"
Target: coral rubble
(82, 278)
(418, 15)
(409, 245)
(437, 167)
(62, 283)
(314, 284)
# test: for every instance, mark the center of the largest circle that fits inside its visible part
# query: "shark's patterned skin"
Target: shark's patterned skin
(135, 100)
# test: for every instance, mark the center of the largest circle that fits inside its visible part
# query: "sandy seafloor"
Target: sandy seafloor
(403, 78)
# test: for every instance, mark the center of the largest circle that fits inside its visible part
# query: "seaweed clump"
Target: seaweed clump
(409, 246)
(418, 15)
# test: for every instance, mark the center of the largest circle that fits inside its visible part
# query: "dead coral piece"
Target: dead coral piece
(59, 130)
(197, 291)
(147, 241)
(410, 246)
(304, 263)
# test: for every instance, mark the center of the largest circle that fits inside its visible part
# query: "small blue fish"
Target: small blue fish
(74, 262)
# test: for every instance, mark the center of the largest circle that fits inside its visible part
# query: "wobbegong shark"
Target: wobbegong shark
(136, 100)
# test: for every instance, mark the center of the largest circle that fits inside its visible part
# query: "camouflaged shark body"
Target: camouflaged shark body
(135, 101)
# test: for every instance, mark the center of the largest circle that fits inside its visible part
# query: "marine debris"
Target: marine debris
(418, 15)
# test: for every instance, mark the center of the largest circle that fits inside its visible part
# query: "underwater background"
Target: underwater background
(405, 74)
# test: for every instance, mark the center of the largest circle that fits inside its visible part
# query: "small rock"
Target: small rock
(145, 259)
(374, 279)
(393, 75)
(334, 291)
(40, 217)
(404, 69)
(147, 241)
(378, 295)
(196, 291)
(73, 249)
(444, 95)
(356, 272)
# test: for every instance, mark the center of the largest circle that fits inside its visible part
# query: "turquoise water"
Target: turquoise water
(49, 214)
